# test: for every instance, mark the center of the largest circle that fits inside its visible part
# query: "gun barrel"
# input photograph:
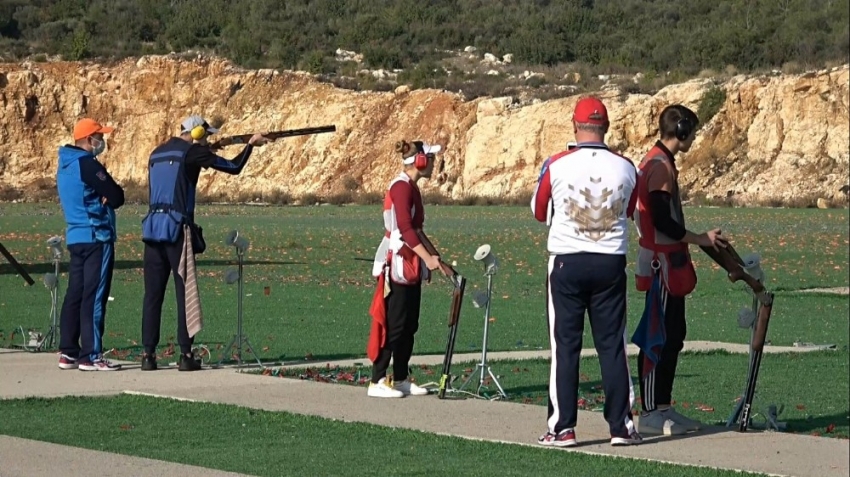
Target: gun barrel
(302, 132)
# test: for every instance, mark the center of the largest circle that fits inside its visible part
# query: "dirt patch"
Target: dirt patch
(833, 290)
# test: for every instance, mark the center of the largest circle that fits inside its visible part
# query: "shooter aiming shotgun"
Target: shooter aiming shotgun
(274, 135)
(732, 263)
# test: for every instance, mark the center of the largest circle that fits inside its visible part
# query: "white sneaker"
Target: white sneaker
(381, 390)
(657, 423)
(409, 388)
(688, 423)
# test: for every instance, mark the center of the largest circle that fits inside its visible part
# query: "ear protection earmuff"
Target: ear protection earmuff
(420, 160)
(198, 132)
(684, 128)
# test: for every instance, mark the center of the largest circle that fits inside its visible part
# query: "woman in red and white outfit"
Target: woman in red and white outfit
(402, 263)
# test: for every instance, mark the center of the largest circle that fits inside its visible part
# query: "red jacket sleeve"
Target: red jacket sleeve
(542, 195)
(630, 211)
(401, 195)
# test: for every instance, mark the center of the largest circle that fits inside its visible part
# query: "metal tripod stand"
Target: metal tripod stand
(239, 338)
(37, 341)
(482, 368)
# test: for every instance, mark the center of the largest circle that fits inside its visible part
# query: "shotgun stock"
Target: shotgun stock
(243, 138)
(729, 260)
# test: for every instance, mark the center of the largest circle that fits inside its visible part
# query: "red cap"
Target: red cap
(86, 127)
(590, 110)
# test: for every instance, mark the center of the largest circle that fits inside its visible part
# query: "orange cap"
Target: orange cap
(86, 127)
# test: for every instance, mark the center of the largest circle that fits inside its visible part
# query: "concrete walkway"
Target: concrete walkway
(26, 458)
(26, 374)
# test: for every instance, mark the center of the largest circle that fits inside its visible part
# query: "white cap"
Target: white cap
(194, 121)
(426, 148)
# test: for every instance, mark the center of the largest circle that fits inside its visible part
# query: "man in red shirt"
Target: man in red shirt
(663, 249)
(402, 263)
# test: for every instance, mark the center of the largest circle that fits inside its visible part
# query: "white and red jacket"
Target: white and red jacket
(590, 193)
(404, 213)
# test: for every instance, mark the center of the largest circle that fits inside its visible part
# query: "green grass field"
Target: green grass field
(319, 294)
(317, 310)
(281, 444)
(707, 385)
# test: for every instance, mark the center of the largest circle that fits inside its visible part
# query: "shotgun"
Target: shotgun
(243, 138)
(732, 263)
(459, 283)
(17, 266)
(454, 315)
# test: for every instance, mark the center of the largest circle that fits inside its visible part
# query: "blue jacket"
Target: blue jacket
(83, 183)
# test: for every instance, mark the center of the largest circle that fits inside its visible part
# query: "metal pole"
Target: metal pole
(239, 315)
(486, 329)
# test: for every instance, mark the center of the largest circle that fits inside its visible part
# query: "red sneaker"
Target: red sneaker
(99, 365)
(67, 362)
(565, 438)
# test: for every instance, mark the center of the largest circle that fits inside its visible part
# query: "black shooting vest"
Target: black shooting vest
(172, 193)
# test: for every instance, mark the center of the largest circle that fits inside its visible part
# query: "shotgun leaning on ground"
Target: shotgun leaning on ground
(243, 138)
(730, 261)
(459, 283)
(454, 313)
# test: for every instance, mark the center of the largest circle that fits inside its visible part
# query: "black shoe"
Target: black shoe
(189, 363)
(148, 362)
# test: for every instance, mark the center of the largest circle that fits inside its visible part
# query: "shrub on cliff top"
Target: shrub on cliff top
(711, 102)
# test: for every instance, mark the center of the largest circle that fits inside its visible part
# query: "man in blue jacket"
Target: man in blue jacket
(173, 171)
(88, 196)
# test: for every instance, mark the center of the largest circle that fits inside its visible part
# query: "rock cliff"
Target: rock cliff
(774, 139)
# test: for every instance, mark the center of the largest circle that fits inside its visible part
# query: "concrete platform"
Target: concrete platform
(26, 374)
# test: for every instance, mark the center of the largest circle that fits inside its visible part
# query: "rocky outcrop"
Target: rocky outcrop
(776, 138)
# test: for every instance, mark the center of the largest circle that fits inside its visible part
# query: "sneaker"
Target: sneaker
(633, 438)
(99, 365)
(189, 363)
(67, 362)
(380, 389)
(148, 362)
(409, 388)
(565, 438)
(657, 423)
(686, 422)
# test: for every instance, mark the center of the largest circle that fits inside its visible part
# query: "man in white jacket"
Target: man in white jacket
(588, 191)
